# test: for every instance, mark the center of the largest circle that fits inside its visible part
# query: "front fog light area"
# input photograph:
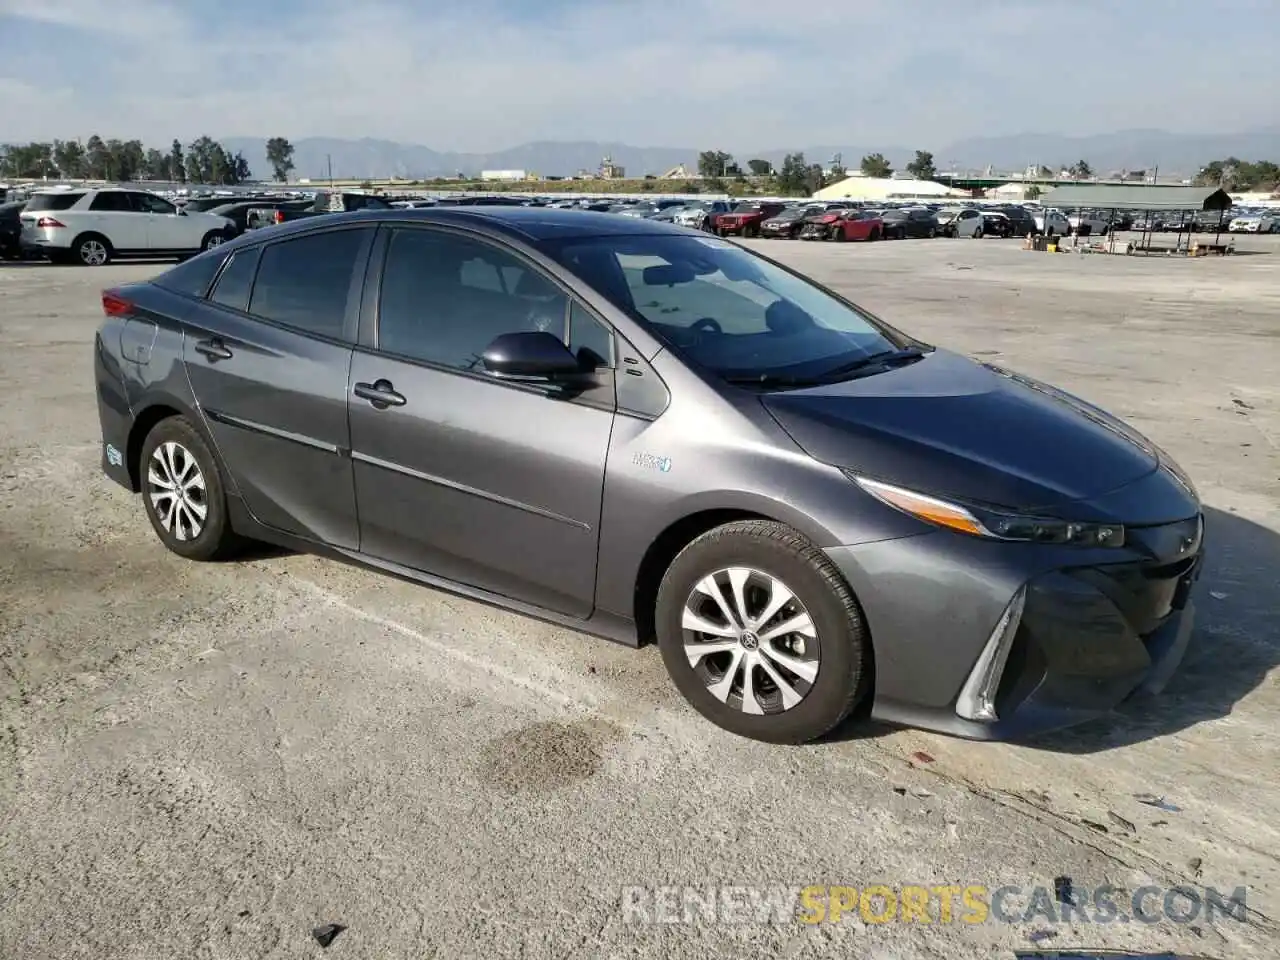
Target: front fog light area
(977, 700)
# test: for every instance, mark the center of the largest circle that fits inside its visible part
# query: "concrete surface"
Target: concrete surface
(209, 760)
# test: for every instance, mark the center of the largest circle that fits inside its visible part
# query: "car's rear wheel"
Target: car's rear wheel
(91, 250)
(977, 234)
(933, 232)
(837, 234)
(874, 234)
(183, 492)
(761, 633)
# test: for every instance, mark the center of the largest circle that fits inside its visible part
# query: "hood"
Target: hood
(953, 427)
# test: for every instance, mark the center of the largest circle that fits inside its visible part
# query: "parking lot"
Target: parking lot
(209, 760)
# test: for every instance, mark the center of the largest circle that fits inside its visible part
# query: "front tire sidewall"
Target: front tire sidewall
(216, 539)
(782, 553)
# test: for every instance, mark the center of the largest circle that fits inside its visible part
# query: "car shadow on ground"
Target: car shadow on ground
(1235, 646)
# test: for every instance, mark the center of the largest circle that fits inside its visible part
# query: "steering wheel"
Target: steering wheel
(707, 323)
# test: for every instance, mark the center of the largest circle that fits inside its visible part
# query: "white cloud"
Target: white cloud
(744, 74)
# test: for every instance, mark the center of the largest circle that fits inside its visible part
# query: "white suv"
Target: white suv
(91, 227)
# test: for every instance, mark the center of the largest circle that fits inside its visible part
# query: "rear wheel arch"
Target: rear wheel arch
(145, 421)
(90, 235)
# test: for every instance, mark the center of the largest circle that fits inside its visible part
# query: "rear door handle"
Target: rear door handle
(213, 348)
(381, 394)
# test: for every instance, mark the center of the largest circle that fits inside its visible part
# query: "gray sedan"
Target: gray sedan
(647, 433)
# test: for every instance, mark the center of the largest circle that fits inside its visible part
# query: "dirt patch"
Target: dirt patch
(546, 756)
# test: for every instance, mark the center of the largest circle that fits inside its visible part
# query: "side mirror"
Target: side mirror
(534, 355)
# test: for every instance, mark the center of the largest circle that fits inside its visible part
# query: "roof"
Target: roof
(531, 223)
(1116, 197)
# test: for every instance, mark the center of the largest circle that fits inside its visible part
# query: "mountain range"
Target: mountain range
(1123, 150)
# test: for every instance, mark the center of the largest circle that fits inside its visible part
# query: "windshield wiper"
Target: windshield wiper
(883, 358)
(771, 380)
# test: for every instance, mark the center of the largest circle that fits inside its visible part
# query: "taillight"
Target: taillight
(114, 305)
(50, 222)
(279, 216)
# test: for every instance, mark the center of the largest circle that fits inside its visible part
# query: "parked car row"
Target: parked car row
(92, 226)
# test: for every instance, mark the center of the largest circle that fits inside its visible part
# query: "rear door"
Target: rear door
(268, 359)
(488, 483)
(113, 214)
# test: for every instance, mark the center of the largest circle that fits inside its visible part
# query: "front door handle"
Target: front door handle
(213, 348)
(381, 394)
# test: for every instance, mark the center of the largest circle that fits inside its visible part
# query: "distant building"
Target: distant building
(610, 170)
(504, 176)
(678, 172)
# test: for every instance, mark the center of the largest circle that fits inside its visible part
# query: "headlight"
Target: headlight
(992, 524)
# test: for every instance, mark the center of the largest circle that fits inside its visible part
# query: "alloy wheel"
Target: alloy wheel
(177, 491)
(93, 253)
(750, 640)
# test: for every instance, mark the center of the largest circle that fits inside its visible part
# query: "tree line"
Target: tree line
(796, 175)
(203, 160)
(1235, 174)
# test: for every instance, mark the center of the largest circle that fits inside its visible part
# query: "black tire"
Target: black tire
(215, 540)
(977, 234)
(844, 644)
(874, 234)
(933, 232)
(91, 250)
(214, 238)
(838, 235)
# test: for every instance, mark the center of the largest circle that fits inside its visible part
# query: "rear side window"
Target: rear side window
(232, 289)
(52, 201)
(193, 277)
(304, 283)
(112, 201)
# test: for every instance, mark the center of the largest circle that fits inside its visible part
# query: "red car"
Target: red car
(841, 225)
(746, 218)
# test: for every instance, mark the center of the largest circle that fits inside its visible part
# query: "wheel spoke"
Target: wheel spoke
(709, 587)
(155, 478)
(720, 689)
(738, 577)
(801, 623)
(806, 670)
(749, 702)
(700, 624)
(789, 696)
(779, 597)
(696, 651)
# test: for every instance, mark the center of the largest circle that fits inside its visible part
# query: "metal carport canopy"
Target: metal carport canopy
(1116, 197)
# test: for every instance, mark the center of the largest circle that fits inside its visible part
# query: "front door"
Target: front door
(268, 356)
(165, 227)
(487, 483)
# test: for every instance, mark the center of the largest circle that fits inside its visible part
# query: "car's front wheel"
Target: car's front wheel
(761, 633)
(184, 494)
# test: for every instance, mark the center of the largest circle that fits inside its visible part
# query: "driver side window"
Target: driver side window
(445, 298)
(150, 203)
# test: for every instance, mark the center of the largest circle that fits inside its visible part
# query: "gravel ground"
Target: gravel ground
(209, 760)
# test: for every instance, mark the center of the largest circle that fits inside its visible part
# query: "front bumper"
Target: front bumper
(1093, 632)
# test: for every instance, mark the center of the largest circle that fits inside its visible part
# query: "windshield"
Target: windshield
(724, 308)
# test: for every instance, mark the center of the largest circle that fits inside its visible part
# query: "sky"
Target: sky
(483, 75)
